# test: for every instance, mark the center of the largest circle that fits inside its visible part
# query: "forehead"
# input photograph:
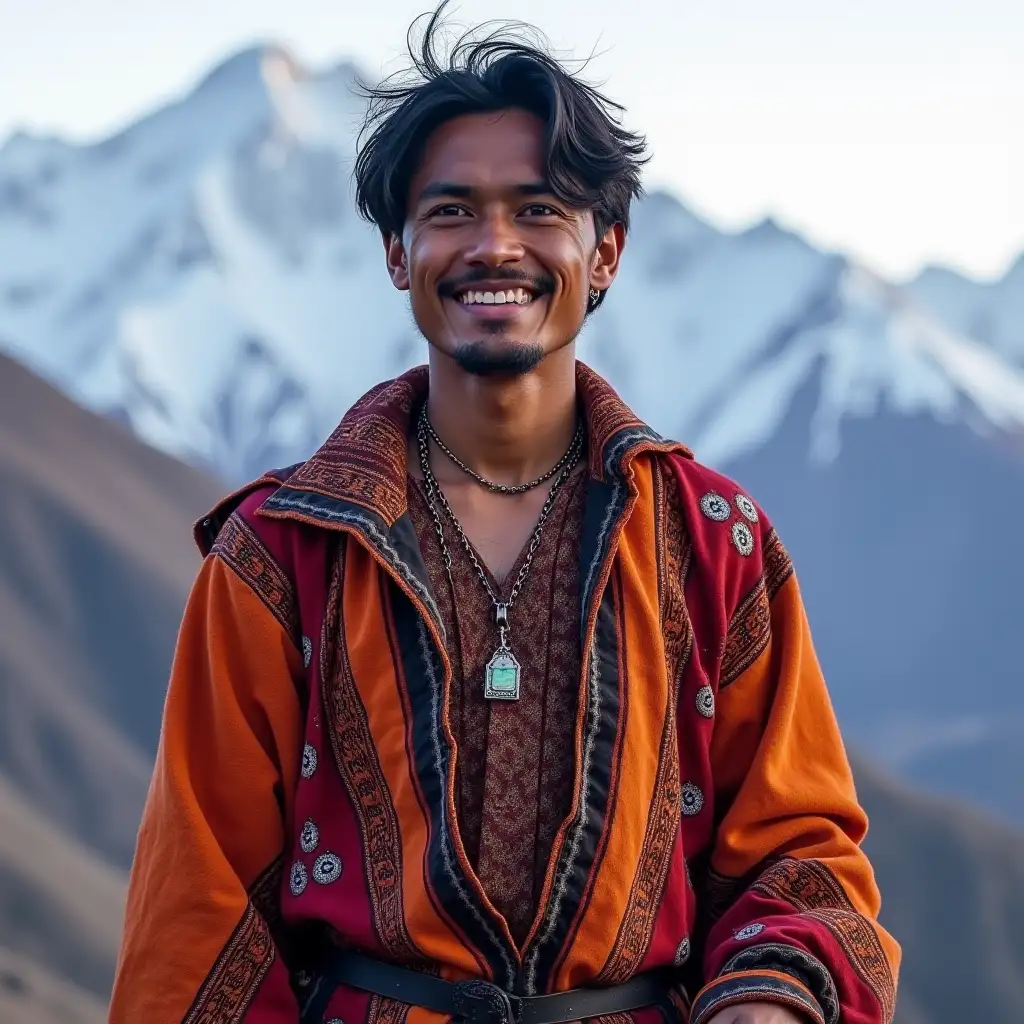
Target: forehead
(492, 149)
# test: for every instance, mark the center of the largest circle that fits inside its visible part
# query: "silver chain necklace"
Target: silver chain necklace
(502, 675)
(490, 484)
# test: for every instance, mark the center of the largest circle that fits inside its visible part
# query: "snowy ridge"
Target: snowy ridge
(203, 274)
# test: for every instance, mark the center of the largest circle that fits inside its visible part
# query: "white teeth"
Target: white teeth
(517, 295)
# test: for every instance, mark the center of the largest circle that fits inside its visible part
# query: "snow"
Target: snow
(204, 273)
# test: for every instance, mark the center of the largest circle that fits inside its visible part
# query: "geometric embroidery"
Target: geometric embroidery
(309, 838)
(359, 766)
(811, 888)
(748, 931)
(790, 960)
(239, 546)
(742, 538)
(747, 508)
(298, 879)
(778, 566)
(231, 986)
(327, 869)
(706, 702)
(692, 800)
(715, 507)
(637, 921)
(748, 634)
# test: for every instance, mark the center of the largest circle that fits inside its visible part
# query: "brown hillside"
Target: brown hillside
(95, 563)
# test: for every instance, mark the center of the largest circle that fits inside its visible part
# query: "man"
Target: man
(500, 696)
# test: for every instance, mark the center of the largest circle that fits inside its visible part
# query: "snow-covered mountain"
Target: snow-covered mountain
(204, 277)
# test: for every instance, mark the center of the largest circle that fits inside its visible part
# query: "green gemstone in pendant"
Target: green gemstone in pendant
(501, 680)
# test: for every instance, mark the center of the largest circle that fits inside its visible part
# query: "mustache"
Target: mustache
(539, 284)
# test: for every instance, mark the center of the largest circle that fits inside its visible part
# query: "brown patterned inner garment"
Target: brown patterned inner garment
(514, 774)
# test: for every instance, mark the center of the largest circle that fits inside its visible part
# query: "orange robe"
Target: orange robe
(307, 764)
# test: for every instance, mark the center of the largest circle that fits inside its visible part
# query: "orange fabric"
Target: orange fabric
(213, 822)
(780, 767)
(372, 665)
(644, 690)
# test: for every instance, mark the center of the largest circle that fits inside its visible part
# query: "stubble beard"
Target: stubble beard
(501, 357)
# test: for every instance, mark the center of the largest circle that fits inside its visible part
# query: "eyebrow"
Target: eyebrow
(455, 190)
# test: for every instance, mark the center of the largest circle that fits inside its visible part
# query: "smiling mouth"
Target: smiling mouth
(474, 299)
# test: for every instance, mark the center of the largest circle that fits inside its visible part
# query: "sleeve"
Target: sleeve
(792, 897)
(198, 941)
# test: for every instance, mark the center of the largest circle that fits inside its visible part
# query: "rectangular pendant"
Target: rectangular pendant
(501, 678)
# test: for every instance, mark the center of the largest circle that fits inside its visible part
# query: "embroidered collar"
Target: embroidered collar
(364, 461)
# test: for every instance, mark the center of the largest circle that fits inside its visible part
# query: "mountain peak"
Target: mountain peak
(249, 68)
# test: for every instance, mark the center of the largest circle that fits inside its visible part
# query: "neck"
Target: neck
(507, 430)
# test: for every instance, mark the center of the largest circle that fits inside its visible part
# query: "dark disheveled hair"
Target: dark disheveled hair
(591, 160)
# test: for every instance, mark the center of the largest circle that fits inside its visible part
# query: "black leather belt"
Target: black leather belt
(474, 1002)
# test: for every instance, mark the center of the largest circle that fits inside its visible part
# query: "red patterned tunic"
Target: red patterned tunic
(322, 763)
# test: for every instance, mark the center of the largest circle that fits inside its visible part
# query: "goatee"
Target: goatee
(483, 359)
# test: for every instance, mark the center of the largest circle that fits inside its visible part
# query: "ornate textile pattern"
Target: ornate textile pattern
(265, 895)
(363, 461)
(675, 553)
(740, 988)
(634, 934)
(359, 767)
(789, 960)
(749, 632)
(515, 769)
(240, 969)
(606, 415)
(635, 931)
(238, 545)
(811, 888)
(777, 564)
(387, 1011)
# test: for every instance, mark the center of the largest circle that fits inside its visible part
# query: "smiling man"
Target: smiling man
(501, 707)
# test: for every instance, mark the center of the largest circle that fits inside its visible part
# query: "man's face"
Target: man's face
(499, 270)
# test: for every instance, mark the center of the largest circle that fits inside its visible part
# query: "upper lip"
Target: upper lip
(494, 286)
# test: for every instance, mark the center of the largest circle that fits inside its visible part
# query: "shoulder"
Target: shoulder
(242, 504)
(733, 541)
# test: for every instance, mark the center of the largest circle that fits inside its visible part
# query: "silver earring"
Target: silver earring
(595, 297)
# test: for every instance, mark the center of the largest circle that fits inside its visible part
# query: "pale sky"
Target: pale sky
(890, 129)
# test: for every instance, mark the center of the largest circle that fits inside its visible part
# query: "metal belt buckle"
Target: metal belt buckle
(480, 1002)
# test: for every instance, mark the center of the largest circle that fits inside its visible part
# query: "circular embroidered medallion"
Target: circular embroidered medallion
(309, 837)
(706, 701)
(749, 931)
(742, 538)
(309, 760)
(747, 508)
(298, 878)
(335, 1020)
(682, 953)
(327, 869)
(715, 507)
(307, 651)
(692, 799)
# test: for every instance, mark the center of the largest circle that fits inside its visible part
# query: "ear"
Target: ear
(606, 257)
(397, 261)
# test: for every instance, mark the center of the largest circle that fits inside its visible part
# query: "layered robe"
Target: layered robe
(309, 777)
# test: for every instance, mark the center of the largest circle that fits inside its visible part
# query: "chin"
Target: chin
(498, 358)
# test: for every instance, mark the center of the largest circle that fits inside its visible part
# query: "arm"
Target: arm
(793, 898)
(198, 943)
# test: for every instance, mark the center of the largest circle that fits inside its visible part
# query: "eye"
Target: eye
(540, 210)
(449, 210)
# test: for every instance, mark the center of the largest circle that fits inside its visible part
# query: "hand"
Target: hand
(758, 1013)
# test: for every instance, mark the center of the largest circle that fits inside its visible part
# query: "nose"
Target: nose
(495, 242)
